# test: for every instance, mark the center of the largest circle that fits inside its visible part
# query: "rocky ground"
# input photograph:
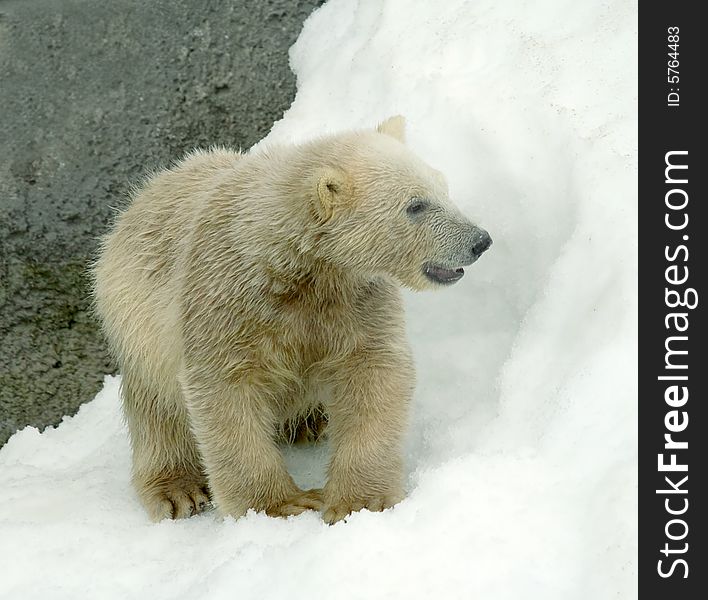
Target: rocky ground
(93, 95)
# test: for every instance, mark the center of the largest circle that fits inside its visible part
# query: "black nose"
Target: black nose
(483, 242)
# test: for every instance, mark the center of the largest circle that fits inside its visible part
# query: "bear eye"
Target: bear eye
(416, 206)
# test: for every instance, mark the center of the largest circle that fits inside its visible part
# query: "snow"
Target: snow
(521, 457)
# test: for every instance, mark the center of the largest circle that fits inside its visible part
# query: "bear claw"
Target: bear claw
(175, 497)
(297, 503)
(339, 511)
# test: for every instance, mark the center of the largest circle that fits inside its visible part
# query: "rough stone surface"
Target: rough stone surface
(93, 95)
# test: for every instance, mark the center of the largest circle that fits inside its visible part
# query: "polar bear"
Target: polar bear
(247, 295)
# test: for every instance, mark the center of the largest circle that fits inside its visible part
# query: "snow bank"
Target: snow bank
(522, 450)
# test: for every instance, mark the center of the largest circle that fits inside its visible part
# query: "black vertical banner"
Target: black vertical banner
(673, 347)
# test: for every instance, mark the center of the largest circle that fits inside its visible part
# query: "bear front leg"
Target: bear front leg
(167, 471)
(234, 426)
(367, 420)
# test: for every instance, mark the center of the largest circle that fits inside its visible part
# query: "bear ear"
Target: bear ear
(395, 127)
(333, 191)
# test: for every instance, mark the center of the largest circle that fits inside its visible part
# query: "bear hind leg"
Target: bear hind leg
(309, 428)
(167, 471)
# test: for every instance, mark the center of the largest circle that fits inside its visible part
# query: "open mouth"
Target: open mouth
(442, 275)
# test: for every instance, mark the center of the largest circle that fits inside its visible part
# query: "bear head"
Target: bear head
(381, 210)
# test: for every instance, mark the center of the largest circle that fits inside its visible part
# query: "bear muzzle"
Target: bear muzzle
(451, 273)
(481, 244)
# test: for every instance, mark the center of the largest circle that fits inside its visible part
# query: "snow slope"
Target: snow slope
(522, 450)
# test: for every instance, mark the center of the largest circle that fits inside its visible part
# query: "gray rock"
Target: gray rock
(94, 95)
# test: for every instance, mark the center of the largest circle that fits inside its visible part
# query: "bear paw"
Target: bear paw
(338, 511)
(297, 503)
(170, 496)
